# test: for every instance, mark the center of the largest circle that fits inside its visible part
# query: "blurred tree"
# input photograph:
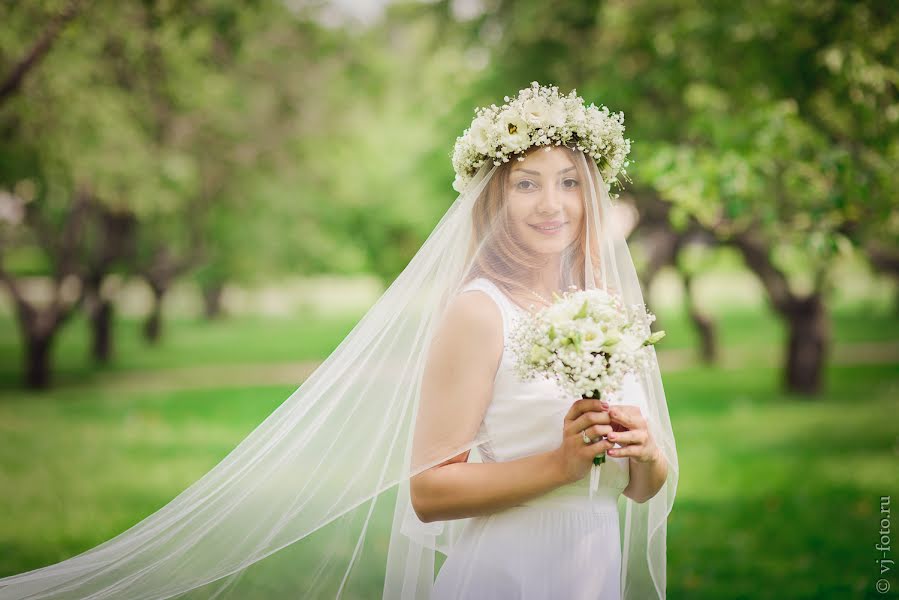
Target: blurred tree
(148, 141)
(788, 157)
(67, 163)
(382, 171)
(669, 247)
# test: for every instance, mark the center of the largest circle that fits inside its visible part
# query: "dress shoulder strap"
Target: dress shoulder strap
(488, 287)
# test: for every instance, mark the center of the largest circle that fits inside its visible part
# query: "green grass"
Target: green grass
(249, 340)
(185, 343)
(85, 468)
(778, 495)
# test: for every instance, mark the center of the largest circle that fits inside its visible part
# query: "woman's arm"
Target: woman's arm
(646, 478)
(457, 387)
(460, 489)
(647, 464)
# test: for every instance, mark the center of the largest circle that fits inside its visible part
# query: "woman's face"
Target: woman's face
(545, 199)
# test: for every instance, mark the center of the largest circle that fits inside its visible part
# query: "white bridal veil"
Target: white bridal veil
(315, 502)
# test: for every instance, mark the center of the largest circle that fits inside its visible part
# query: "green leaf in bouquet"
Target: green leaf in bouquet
(655, 337)
(538, 355)
(577, 339)
(582, 313)
(611, 340)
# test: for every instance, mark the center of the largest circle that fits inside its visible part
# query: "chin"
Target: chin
(542, 244)
(550, 246)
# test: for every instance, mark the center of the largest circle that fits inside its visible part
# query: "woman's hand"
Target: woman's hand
(574, 456)
(632, 432)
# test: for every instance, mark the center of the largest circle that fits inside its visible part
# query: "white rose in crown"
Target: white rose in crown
(514, 130)
(555, 116)
(480, 135)
(535, 110)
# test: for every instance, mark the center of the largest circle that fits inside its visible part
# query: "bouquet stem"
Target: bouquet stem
(599, 458)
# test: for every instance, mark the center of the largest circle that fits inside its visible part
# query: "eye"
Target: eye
(570, 182)
(525, 184)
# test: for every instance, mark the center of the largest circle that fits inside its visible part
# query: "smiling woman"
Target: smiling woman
(519, 520)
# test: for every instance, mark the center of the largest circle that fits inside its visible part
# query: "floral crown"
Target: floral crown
(540, 116)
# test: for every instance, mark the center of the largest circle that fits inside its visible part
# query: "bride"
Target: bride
(418, 423)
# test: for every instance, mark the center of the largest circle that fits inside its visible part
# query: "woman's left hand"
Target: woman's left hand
(633, 435)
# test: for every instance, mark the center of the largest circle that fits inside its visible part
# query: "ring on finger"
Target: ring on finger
(585, 437)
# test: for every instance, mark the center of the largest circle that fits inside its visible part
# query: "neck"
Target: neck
(547, 280)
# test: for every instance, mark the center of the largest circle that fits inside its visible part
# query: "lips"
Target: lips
(548, 225)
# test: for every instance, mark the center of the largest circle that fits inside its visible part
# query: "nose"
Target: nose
(550, 201)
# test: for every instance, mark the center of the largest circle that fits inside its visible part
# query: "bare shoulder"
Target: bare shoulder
(458, 379)
(475, 311)
(473, 324)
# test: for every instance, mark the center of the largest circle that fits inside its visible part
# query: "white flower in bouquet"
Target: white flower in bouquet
(586, 340)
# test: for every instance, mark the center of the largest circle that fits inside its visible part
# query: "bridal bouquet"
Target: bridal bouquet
(587, 340)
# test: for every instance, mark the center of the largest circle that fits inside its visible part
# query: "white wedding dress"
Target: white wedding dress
(562, 544)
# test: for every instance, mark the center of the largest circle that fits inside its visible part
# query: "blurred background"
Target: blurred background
(198, 202)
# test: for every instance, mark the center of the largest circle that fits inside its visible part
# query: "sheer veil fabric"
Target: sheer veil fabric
(315, 502)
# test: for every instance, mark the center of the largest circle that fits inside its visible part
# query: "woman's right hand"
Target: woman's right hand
(574, 456)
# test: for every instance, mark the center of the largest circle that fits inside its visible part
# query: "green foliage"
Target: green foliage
(775, 117)
(287, 146)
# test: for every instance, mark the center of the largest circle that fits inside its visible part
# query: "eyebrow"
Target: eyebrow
(538, 172)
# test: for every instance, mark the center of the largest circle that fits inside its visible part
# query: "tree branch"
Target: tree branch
(15, 292)
(757, 259)
(13, 81)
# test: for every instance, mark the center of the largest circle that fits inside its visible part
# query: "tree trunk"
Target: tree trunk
(212, 300)
(39, 327)
(808, 345)
(705, 326)
(101, 329)
(885, 260)
(153, 324)
(37, 359)
(99, 314)
(806, 319)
